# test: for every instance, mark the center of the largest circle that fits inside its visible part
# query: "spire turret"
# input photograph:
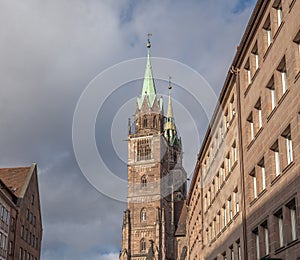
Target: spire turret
(170, 128)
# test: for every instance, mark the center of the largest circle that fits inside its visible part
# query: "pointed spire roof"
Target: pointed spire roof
(170, 128)
(170, 114)
(170, 108)
(148, 90)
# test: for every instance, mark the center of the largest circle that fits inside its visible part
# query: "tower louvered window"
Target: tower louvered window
(144, 149)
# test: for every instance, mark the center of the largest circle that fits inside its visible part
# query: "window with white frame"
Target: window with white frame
(256, 239)
(265, 229)
(258, 113)
(278, 9)
(231, 252)
(251, 127)
(283, 75)
(293, 219)
(230, 211)
(254, 181)
(232, 107)
(236, 200)
(276, 156)
(228, 162)
(288, 144)
(272, 93)
(239, 251)
(267, 32)
(234, 152)
(219, 226)
(255, 58)
(279, 230)
(248, 76)
(224, 215)
(262, 169)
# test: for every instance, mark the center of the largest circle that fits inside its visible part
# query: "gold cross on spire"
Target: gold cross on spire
(149, 44)
(170, 87)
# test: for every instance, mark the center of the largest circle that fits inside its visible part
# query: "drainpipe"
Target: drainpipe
(236, 73)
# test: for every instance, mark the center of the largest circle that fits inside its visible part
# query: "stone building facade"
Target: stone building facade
(244, 197)
(154, 223)
(20, 214)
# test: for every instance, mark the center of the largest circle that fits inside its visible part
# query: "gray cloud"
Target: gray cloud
(49, 52)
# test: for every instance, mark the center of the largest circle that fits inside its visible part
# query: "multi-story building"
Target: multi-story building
(155, 221)
(20, 214)
(244, 197)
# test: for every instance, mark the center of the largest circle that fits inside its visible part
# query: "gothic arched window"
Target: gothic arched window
(144, 181)
(145, 121)
(154, 122)
(143, 245)
(143, 214)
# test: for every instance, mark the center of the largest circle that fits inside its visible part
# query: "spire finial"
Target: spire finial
(148, 42)
(169, 86)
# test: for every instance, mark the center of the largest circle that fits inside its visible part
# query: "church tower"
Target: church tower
(155, 216)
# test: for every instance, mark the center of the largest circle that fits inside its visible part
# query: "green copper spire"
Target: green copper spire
(148, 90)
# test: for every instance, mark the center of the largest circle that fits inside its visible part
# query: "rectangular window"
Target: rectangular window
(272, 93)
(258, 113)
(229, 202)
(275, 149)
(288, 143)
(239, 251)
(266, 237)
(261, 167)
(234, 154)
(219, 226)
(254, 180)
(228, 163)
(255, 58)
(231, 253)
(248, 76)
(21, 253)
(232, 107)
(222, 172)
(224, 256)
(267, 32)
(251, 126)
(144, 147)
(282, 74)
(256, 239)
(226, 120)
(293, 219)
(10, 248)
(236, 200)
(224, 215)
(278, 8)
(297, 51)
(279, 218)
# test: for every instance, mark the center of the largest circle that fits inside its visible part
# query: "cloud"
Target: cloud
(50, 50)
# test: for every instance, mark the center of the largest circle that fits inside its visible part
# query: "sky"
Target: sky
(51, 51)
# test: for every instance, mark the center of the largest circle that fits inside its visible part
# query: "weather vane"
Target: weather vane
(149, 44)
